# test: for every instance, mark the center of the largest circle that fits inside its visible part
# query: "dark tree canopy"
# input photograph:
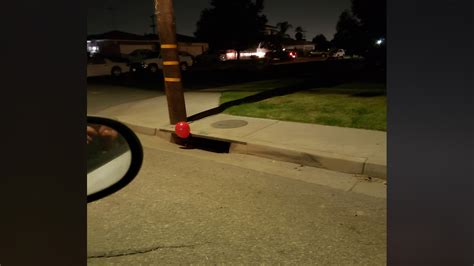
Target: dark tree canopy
(283, 27)
(349, 35)
(299, 36)
(321, 42)
(299, 33)
(372, 15)
(231, 23)
(358, 29)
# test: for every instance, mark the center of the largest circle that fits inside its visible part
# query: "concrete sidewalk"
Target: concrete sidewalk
(347, 150)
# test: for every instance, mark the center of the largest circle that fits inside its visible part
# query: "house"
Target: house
(301, 46)
(120, 43)
(271, 33)
(270, 30)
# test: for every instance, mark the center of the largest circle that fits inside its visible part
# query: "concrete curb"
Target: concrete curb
(373, 169)
(320, 159)
(325, 160)
(141, 129)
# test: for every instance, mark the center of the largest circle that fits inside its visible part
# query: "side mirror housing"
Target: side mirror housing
(114, 157)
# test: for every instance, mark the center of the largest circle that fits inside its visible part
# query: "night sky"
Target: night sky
(315, 16)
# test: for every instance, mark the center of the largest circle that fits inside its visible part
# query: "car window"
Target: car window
(139, 52)
(151, 54)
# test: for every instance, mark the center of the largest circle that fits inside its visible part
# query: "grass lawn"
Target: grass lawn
(355, 105)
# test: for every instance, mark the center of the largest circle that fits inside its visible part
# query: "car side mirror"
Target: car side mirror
(114, 157)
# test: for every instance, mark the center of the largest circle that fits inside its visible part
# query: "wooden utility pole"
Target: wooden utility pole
(165, 19)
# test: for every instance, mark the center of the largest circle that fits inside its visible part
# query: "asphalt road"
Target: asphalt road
(196, 207)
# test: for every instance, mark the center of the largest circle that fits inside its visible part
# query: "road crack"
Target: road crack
(130, 252)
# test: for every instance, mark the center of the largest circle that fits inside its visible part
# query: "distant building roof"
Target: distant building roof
(120, 35)
(116, 35)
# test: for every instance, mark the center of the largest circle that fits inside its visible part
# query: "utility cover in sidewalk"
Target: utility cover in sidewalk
(229, 124)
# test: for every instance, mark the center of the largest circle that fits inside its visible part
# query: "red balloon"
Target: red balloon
(182, 129)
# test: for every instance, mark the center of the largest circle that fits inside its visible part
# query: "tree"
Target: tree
(372, 15)
(321, 42)
(232, 24)
(350, 35)
(283, 27)
(360, 28)
(299, 33)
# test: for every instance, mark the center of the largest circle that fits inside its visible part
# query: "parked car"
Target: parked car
(186, 54)
(339, 53)
(316, 53)
(281, 55)
(210, 57)
(152, 62)
(99, 65)
(141, 54)
(137, 68)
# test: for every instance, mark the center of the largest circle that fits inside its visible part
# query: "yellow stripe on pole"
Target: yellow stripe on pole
(169, 46)
(172, 79)
(170, 63)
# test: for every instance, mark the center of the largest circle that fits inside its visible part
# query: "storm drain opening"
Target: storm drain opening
(211, 145)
